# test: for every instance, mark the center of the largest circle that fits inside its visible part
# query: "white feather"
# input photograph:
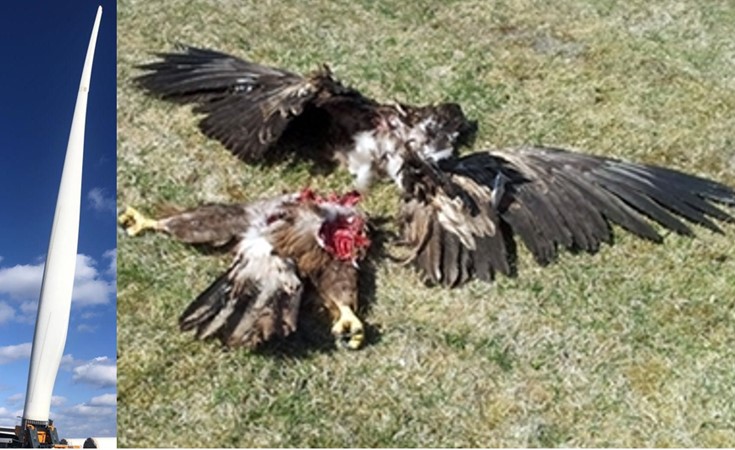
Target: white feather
(360, 160)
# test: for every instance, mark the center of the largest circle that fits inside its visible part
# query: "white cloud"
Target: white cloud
(100, 201)
(100, 372)
(85, 269)
(89, 288)
(7, 313)
(11, 353)
(23, 283)
(104, 400)
(112, 256)
(92, 292)
(16, 399)
(88, 411)
(96, 406)
(97, 417)
(86, 328)
(29, 307)
(57, 400)
(68, 362)
(8, 417)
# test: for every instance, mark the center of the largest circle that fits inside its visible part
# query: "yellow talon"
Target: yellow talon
(134, 222)
(348, 329)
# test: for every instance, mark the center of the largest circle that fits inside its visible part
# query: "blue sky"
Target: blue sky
(42, 46)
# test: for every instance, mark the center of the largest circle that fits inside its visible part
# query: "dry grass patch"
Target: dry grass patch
(630, 347)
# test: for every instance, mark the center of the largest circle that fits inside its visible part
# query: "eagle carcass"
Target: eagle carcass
(281, 245)
(460, 215)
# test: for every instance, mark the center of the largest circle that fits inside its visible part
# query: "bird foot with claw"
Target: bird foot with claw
(348, 330)
(134, 222)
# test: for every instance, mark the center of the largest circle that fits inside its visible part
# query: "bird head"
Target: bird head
(343, 234)
(345, 237)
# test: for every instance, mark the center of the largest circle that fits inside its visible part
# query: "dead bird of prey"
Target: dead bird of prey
(460, 215)
(280, 246)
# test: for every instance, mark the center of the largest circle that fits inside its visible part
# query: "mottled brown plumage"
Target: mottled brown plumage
(459, 215)
(281, 246)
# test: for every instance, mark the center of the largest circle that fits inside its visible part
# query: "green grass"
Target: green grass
(634, 346)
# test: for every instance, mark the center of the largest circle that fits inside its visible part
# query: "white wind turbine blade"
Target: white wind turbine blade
(54, 304)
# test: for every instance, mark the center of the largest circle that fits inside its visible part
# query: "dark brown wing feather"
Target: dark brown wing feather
(444, 258)
(246, 106)
(194, 75)
(551, 198)
(451, 228)
(573, 198)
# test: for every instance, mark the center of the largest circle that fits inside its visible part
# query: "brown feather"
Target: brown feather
(259, 297)
(249, 107)
(549, 198)
(336, 284)
(450, 245)
(214, 224)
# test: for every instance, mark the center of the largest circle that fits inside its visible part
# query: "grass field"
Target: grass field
(633, 346)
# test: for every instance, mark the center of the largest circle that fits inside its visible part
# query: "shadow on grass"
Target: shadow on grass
(312, 337)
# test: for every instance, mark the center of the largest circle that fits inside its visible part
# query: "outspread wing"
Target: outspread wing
(214, 224)
(257, 299)
(246, 106)
(461, 215)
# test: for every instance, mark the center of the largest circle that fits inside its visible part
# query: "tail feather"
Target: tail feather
(203, 309)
